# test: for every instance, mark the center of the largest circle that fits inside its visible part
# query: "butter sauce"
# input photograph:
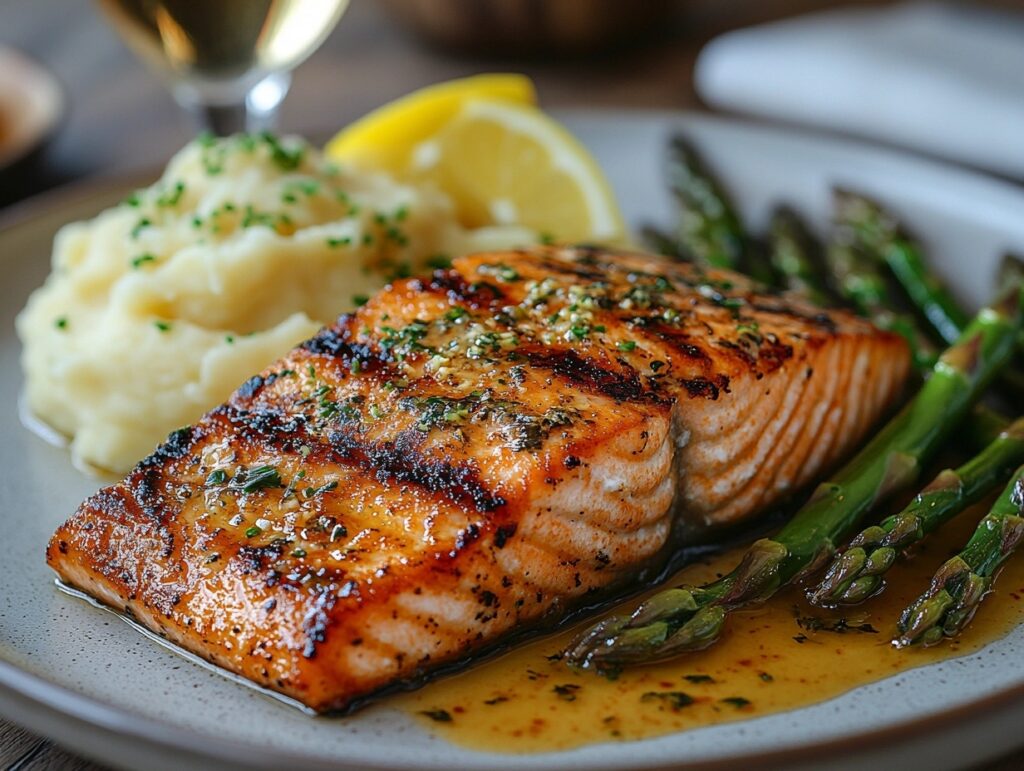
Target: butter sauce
(784, 655)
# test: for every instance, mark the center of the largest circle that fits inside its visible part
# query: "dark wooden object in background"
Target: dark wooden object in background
(121, 119)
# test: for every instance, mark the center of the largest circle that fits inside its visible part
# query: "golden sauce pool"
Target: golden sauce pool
(780, 656)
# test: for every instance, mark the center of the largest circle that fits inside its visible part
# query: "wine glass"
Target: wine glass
(226, 61)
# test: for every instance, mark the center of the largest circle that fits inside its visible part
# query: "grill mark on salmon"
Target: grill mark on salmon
(471, 455)
(401, 461)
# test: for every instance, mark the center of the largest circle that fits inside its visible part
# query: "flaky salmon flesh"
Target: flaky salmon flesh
(471, 454)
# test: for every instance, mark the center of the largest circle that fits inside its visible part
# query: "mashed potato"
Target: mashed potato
(157, 309)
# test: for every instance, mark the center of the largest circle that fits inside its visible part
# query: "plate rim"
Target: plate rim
(22, 692)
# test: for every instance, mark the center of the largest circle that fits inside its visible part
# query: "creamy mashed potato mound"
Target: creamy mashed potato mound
(157, 309)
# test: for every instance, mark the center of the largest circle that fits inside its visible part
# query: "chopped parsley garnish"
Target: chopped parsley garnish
(142, 259)
(674, 700)
(313, 492)
(173, 196)
(142, 223)
(251, 480)
(285, 158)
(698, 678)
(334, 243)
(456, 313)
(626, 345)
(163, 326)
(61, 322)
(252, 532)
(737, 701)
(566, 692)
(359, 300)
(546, 238)
(299, 553)
(439, 261)
(437, 715)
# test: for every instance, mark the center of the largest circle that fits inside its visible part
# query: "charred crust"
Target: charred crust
(706, 388)
(255, 559)
(401, 461)
(336, 342)
(475, 294)
(503, 534)
(177, 445)
(585, 373)
(251, 387)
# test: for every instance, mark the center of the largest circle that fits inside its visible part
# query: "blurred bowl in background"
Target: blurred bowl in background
(31, 106)
(534, 27)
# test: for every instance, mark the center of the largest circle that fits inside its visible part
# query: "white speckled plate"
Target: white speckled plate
(80, 675)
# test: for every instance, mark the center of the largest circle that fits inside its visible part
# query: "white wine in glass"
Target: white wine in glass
(227, 61)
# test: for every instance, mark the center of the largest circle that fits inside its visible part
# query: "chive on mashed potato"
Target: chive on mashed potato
(158, 308)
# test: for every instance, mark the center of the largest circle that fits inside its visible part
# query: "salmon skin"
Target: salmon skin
(473, 454)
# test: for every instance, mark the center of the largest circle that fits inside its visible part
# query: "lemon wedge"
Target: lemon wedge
(504, 163)
(384, 139)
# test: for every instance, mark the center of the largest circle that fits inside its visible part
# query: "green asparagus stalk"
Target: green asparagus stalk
(860, 282)
(858, 572)
(1011, 273)
(790, 256)
(662, 243)
(690, 618)
(879, 233)
(960, 585)
(709, 228)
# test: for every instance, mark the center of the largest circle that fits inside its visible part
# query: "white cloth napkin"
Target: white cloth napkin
(944, 79)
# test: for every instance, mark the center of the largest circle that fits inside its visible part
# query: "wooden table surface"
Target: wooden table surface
(120, 119)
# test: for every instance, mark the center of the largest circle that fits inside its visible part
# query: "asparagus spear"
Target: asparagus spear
(690, 618)
(879, 233)
(663, 243)
(858, 572)
(866, 289)
(960, 585)
(1011, 273)
(709, 228)
(789, 252)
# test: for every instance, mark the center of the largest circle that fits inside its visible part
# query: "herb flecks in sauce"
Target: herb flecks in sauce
(735, 680)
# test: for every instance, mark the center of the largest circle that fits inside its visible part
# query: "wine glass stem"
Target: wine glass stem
(255, 111)
(222, 119)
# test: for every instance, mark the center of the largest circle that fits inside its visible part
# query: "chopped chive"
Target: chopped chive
(142, 259)
(737, 701)
(253, 531)
(257, 478)
(626, 345)
(334, 243)
(142, 223)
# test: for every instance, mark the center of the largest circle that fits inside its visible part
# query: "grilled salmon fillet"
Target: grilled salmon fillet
(472, 454)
